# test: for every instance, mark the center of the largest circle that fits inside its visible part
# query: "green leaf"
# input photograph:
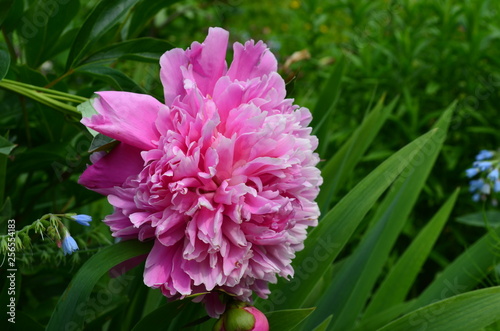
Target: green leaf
(338, 168)
(63, 43)
(142, 49)
(143, 13)
(104, 16)
(13, 16)
(352, 286)
(465, 272)
(6, 146)
(287, 319)
(44, 24)
(325, 242)
(5, 5)
(399, 281)
(113, 77)
(83, 282)
(87, 110)
(4, 63)
(329, 96)
(102, 143)
(469, 311)
(323, 325)
(482, 219)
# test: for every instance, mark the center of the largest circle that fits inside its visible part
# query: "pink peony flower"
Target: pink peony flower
(221, 176)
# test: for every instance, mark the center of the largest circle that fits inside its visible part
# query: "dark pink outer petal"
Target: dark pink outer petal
(252, 60)
(127, 117)
(112, 169)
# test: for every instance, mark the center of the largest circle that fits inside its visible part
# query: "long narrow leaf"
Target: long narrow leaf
(141, 49)
(470, 311)
(465, 272)
(65, 315)
(337, 169)
(398, 282)
(351, 288)
(326, 241)
(104, 16)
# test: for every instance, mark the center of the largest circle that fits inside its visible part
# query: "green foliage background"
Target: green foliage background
(377, 76)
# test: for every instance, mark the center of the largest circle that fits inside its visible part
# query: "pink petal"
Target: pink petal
(158, 265)
(127, 117)
(209, 59)
(171, 74)
(252, 60)
(112, 169)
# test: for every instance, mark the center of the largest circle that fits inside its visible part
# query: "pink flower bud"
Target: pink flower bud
(261, 323)
(242, 319)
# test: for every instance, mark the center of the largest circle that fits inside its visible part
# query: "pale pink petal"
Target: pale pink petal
(252, 60)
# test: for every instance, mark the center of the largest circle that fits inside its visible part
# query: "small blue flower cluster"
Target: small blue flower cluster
(486, 166)
(69, 244)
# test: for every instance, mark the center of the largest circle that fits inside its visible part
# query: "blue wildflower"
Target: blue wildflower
(476, 197)
(475, 185)
(496, 187)
(493, 175)
(69, 244)
(482, 165)
(471, 172)
(484, 155)
(82, 219)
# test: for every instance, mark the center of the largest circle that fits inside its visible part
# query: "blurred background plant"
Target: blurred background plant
(340, 58)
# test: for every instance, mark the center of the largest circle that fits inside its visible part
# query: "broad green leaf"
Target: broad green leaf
(469, 311)
(142, 49)
(338, 168)
(465, 272)
(83, 282)
(399, 281)
(352, 286)
(4, 62)
(143, 13)
(325, 242)
(287, 319)
(113, 77)
(45, 20)
(104, 16)
(488, 218)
